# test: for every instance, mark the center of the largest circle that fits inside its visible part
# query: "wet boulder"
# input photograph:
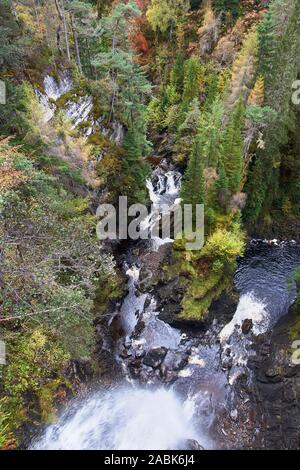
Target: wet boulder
(176, 361)
(154, 357)
(192, 444)
(140, 352)
(247, 326)
(125, 353)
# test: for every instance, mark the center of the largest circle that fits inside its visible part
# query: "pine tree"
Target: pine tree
(279, 41)
(134, 169)
(257, 95)
(210, 130)
(233, 146)
(191, 122)
(186, 133)
(177, 73)
(230, 6)
(124, 75)
(267, 41)
(192, 69)
(222, 186)
(193, 189)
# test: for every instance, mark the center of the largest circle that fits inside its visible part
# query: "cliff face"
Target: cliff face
(277, 378)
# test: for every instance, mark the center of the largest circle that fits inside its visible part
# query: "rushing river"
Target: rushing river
(150, 411)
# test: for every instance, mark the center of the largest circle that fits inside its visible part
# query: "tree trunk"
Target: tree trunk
(58, 31)
(58, 10)
(76, 42)
(63, 17)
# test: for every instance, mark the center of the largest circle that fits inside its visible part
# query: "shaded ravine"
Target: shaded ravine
(180, 389)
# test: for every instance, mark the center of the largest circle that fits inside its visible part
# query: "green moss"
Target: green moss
(6, 438)
(294, 329)
(46, 397)
(56, 166)
(99, 140)
(208, 271)
(108, 292)
(35, 362)
(71, 95)
(198, 308)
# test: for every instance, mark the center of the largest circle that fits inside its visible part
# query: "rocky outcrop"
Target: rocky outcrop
(277, 381)
(155, 357)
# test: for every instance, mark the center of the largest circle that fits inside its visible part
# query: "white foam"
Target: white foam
(125, 419)
(251, 308)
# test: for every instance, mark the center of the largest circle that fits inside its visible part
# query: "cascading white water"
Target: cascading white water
(156, 333)
(249, 308)
(164, 195)
(233, 342)
(132, 305)
(265, 280)
(125, 419)
(133, 418)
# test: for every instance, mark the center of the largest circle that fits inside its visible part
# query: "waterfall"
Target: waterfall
(163, 192)
(249, 308)
(178, 385)
(133, 304)
(124, 419)
(265, 280)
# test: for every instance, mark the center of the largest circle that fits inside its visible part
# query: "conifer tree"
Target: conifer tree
(192, 69)
(233, 146)
(222, 186)
(187, 132)
(210, 130)
(257, 95)
(279, 44)
(125, 76)
(267, 41)
(134, 169)
(228, 6)
(193, 189)
(177, 73)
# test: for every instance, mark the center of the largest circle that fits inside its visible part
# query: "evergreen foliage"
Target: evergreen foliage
(228, 6)
(233, 146)
(279, 57)
(193, 191)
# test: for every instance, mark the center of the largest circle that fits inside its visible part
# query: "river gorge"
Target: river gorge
(189, 387)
